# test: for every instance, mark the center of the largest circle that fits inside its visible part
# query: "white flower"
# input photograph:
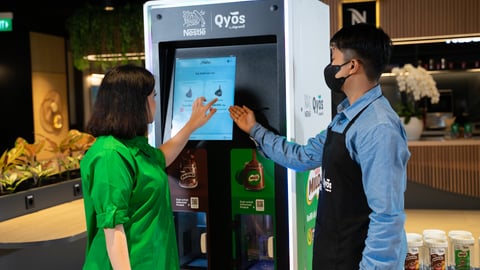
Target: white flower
(416, 82)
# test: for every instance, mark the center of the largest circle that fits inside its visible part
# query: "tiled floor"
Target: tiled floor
(446, 220)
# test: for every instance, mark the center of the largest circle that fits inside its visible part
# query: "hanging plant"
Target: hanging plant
(109, 35)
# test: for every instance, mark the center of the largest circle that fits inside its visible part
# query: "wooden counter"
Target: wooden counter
(448, 165)
(64, 222)
(444, 142)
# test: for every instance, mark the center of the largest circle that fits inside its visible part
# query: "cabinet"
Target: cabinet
(46, 225)
(53, 238)
(443, 175)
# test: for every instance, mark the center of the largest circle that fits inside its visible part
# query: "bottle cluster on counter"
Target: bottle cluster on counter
(462, 127)
(459, 131)
(436, 250)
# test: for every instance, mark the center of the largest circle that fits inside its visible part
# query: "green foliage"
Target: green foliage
(21, 163)
(409, 108)
(95, 31)
(9, 177)
(71, 149)
(10, 158)
(408, 111)
(10, 181)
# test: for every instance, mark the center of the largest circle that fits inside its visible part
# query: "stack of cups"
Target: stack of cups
(436, 253)
(414, 258)
(461, 250)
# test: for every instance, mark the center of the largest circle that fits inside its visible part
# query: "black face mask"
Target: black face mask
(335, 84)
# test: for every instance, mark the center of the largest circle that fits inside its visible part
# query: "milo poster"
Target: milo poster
(252, 182)
(253, 209)
(307, 185)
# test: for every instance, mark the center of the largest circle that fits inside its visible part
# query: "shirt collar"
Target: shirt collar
(351, 110)
(139, 143)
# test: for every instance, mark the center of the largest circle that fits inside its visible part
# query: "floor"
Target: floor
(446, 220)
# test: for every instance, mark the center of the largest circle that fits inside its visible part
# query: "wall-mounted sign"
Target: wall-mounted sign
(5, 25)
(356, 11)
(6, 21)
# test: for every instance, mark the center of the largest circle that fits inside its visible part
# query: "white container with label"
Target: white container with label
(414, 258)
(432, 234)
(461, 252)
(437, 253)
(451, 253)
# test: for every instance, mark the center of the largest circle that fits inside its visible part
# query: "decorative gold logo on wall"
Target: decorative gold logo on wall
(356, 11)
(51, 117)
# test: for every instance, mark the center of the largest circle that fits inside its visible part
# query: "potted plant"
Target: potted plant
(9, 177)
(29, 164)
(70, 151)
(20, 168)
(415, 85)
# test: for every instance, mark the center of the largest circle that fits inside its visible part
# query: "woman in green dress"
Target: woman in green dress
(125, 187)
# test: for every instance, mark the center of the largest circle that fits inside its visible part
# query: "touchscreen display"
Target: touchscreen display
(210, 77)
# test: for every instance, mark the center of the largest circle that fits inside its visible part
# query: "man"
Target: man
(363, 155)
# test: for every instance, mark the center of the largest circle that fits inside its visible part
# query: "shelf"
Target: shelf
(444, 71)
(455, 55)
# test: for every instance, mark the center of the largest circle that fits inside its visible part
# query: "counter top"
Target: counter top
(437, 141)
(63, 222)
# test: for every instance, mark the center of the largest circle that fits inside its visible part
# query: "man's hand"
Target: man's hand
(243, 117)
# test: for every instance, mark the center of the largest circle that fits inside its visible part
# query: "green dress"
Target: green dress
(124, 182)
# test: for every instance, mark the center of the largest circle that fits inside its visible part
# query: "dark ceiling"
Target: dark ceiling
(49, 16)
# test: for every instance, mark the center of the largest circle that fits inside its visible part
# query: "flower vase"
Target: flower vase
(414, 128)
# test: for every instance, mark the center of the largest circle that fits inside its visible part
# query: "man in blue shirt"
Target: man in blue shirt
(363, 155)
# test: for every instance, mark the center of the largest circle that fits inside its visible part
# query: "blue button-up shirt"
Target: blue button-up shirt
(378, 143)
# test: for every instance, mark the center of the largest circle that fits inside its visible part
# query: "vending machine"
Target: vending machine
(233, 207)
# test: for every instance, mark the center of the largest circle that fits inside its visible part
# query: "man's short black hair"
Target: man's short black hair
(369, 44)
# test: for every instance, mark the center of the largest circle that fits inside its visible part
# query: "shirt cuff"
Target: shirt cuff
(112, 217)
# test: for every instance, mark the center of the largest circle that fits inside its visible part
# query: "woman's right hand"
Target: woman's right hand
(243, 117)
(201, 113)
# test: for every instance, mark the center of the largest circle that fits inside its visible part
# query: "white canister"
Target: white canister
(437, 253)
(432, 234)
(414, 258)
(462, 251)
(451, 253)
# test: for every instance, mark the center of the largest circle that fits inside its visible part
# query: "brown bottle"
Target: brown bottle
(253, 174)
(188, 171)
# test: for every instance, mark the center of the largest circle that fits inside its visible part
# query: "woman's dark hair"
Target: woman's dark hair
(369, 44)
(121, 106)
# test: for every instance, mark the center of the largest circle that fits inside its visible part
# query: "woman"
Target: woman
(126, 195)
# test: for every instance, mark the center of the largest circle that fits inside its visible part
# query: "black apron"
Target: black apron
(342, 213)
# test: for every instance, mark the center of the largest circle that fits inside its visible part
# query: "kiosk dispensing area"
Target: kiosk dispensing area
(234, 208)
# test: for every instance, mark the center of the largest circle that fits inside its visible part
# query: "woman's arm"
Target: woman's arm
(117, 247)
(200, 115)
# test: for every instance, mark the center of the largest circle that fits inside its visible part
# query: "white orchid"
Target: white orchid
(417, 82)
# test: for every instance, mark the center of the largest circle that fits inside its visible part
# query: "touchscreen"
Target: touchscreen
(210, 77)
